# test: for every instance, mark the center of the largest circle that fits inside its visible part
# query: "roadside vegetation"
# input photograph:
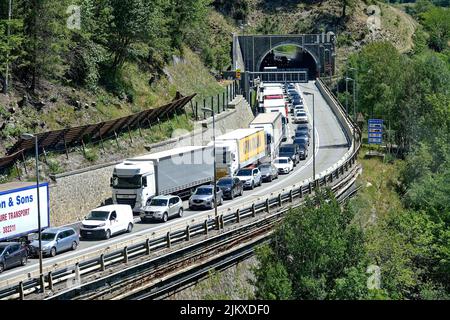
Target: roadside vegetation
(400, 220)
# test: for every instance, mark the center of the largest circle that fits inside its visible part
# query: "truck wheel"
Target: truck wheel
(130, 227)
(180, 212)
(108, 234)
(2, 267)
(74, 245)
(53, 252)
(23, 261)
(242, 192)
(165, 217)
(253, 185)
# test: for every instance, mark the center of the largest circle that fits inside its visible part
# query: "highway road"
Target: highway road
(331, 145)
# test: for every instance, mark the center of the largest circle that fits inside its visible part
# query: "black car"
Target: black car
(291, 151)
(303, 131)
(301, 135)
(12, 254)
(296, 101)
(301, 141)
(303, 152)
(268, 171)
(231, 187)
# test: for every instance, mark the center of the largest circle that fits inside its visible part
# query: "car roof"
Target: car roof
(163, 197)
(8, 243)
(56, 229)
(208, 186)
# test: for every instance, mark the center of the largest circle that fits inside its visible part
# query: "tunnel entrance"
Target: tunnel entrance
(289, 58)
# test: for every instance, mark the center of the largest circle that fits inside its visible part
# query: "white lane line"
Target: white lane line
(167, 224)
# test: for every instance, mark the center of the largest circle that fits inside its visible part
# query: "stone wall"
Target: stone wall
(73, 194)
(233, 283)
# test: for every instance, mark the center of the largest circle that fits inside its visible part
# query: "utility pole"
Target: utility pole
(8, 34)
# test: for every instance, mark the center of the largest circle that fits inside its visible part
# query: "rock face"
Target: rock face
(230, 284)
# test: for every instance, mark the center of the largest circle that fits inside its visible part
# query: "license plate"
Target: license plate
(89, 232)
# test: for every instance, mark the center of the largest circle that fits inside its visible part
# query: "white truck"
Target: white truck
(177, 171)
(238, 149)
(19, 209)
(272, 124)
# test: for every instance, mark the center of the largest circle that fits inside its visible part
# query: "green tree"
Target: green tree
(316, 253)
(437, 22)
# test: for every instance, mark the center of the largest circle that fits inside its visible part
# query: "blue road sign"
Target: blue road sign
(375, 131)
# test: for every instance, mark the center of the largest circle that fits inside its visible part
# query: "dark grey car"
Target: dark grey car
(268, 171)
(203, 197)
(12, 254)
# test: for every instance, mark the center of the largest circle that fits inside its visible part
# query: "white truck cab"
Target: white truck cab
(133, 183)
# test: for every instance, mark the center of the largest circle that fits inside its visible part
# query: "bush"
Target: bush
(90, 154)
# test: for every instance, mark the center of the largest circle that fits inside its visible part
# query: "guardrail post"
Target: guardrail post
(102, 262)
(20, 291)
(169, 243)
(301, 192)
(238, 216)
(42, 283)
(331, 177)
(310, 187)
(125, 255)
(221, 221)
(206, 226)
(77, 273)
(217, 223)
(188, 233)
(337, 173)
(253, 210)
(147, 246)
(280, 202)
(267, 205)
(291, 197)
(50, 280)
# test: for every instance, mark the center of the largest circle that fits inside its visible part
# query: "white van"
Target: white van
(106, 221)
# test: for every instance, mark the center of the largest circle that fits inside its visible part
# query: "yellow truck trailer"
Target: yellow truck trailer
(238, 149)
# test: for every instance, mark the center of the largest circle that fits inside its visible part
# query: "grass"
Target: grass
(377, 196)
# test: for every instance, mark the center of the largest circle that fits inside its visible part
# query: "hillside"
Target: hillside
(151, 74)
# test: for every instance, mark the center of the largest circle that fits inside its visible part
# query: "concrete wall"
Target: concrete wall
(73, 194)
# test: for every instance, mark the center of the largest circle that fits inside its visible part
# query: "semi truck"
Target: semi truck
(19, 209)
(177, 171)
(238, 149)
(274, 128)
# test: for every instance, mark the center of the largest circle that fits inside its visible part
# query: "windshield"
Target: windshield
(127, 182)
(224, 182)
(159, 202)
(98, 215)
(244, 172)
(47, 236)
(2, 248)
(281, 161)
(204, 191)
(286, 149)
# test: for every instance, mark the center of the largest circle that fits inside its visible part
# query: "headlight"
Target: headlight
(101, 225)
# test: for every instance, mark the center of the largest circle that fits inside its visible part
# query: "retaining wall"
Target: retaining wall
(73, 194)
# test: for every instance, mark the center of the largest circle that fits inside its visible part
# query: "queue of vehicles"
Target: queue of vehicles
(153, 186)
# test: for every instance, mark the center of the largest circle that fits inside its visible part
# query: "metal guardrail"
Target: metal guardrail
(147, 247)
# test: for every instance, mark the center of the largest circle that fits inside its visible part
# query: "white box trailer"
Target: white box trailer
(19, 209)
(272, 123)
(177, 171)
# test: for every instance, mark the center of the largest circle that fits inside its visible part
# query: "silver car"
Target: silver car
(162, 208)
(203, 197)
(56, 240)
(251, 177)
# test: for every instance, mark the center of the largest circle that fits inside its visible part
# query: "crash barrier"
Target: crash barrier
(330, 178)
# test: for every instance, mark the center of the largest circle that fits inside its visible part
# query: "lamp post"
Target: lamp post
(29, 136)
(214, 156)
(314, 134)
